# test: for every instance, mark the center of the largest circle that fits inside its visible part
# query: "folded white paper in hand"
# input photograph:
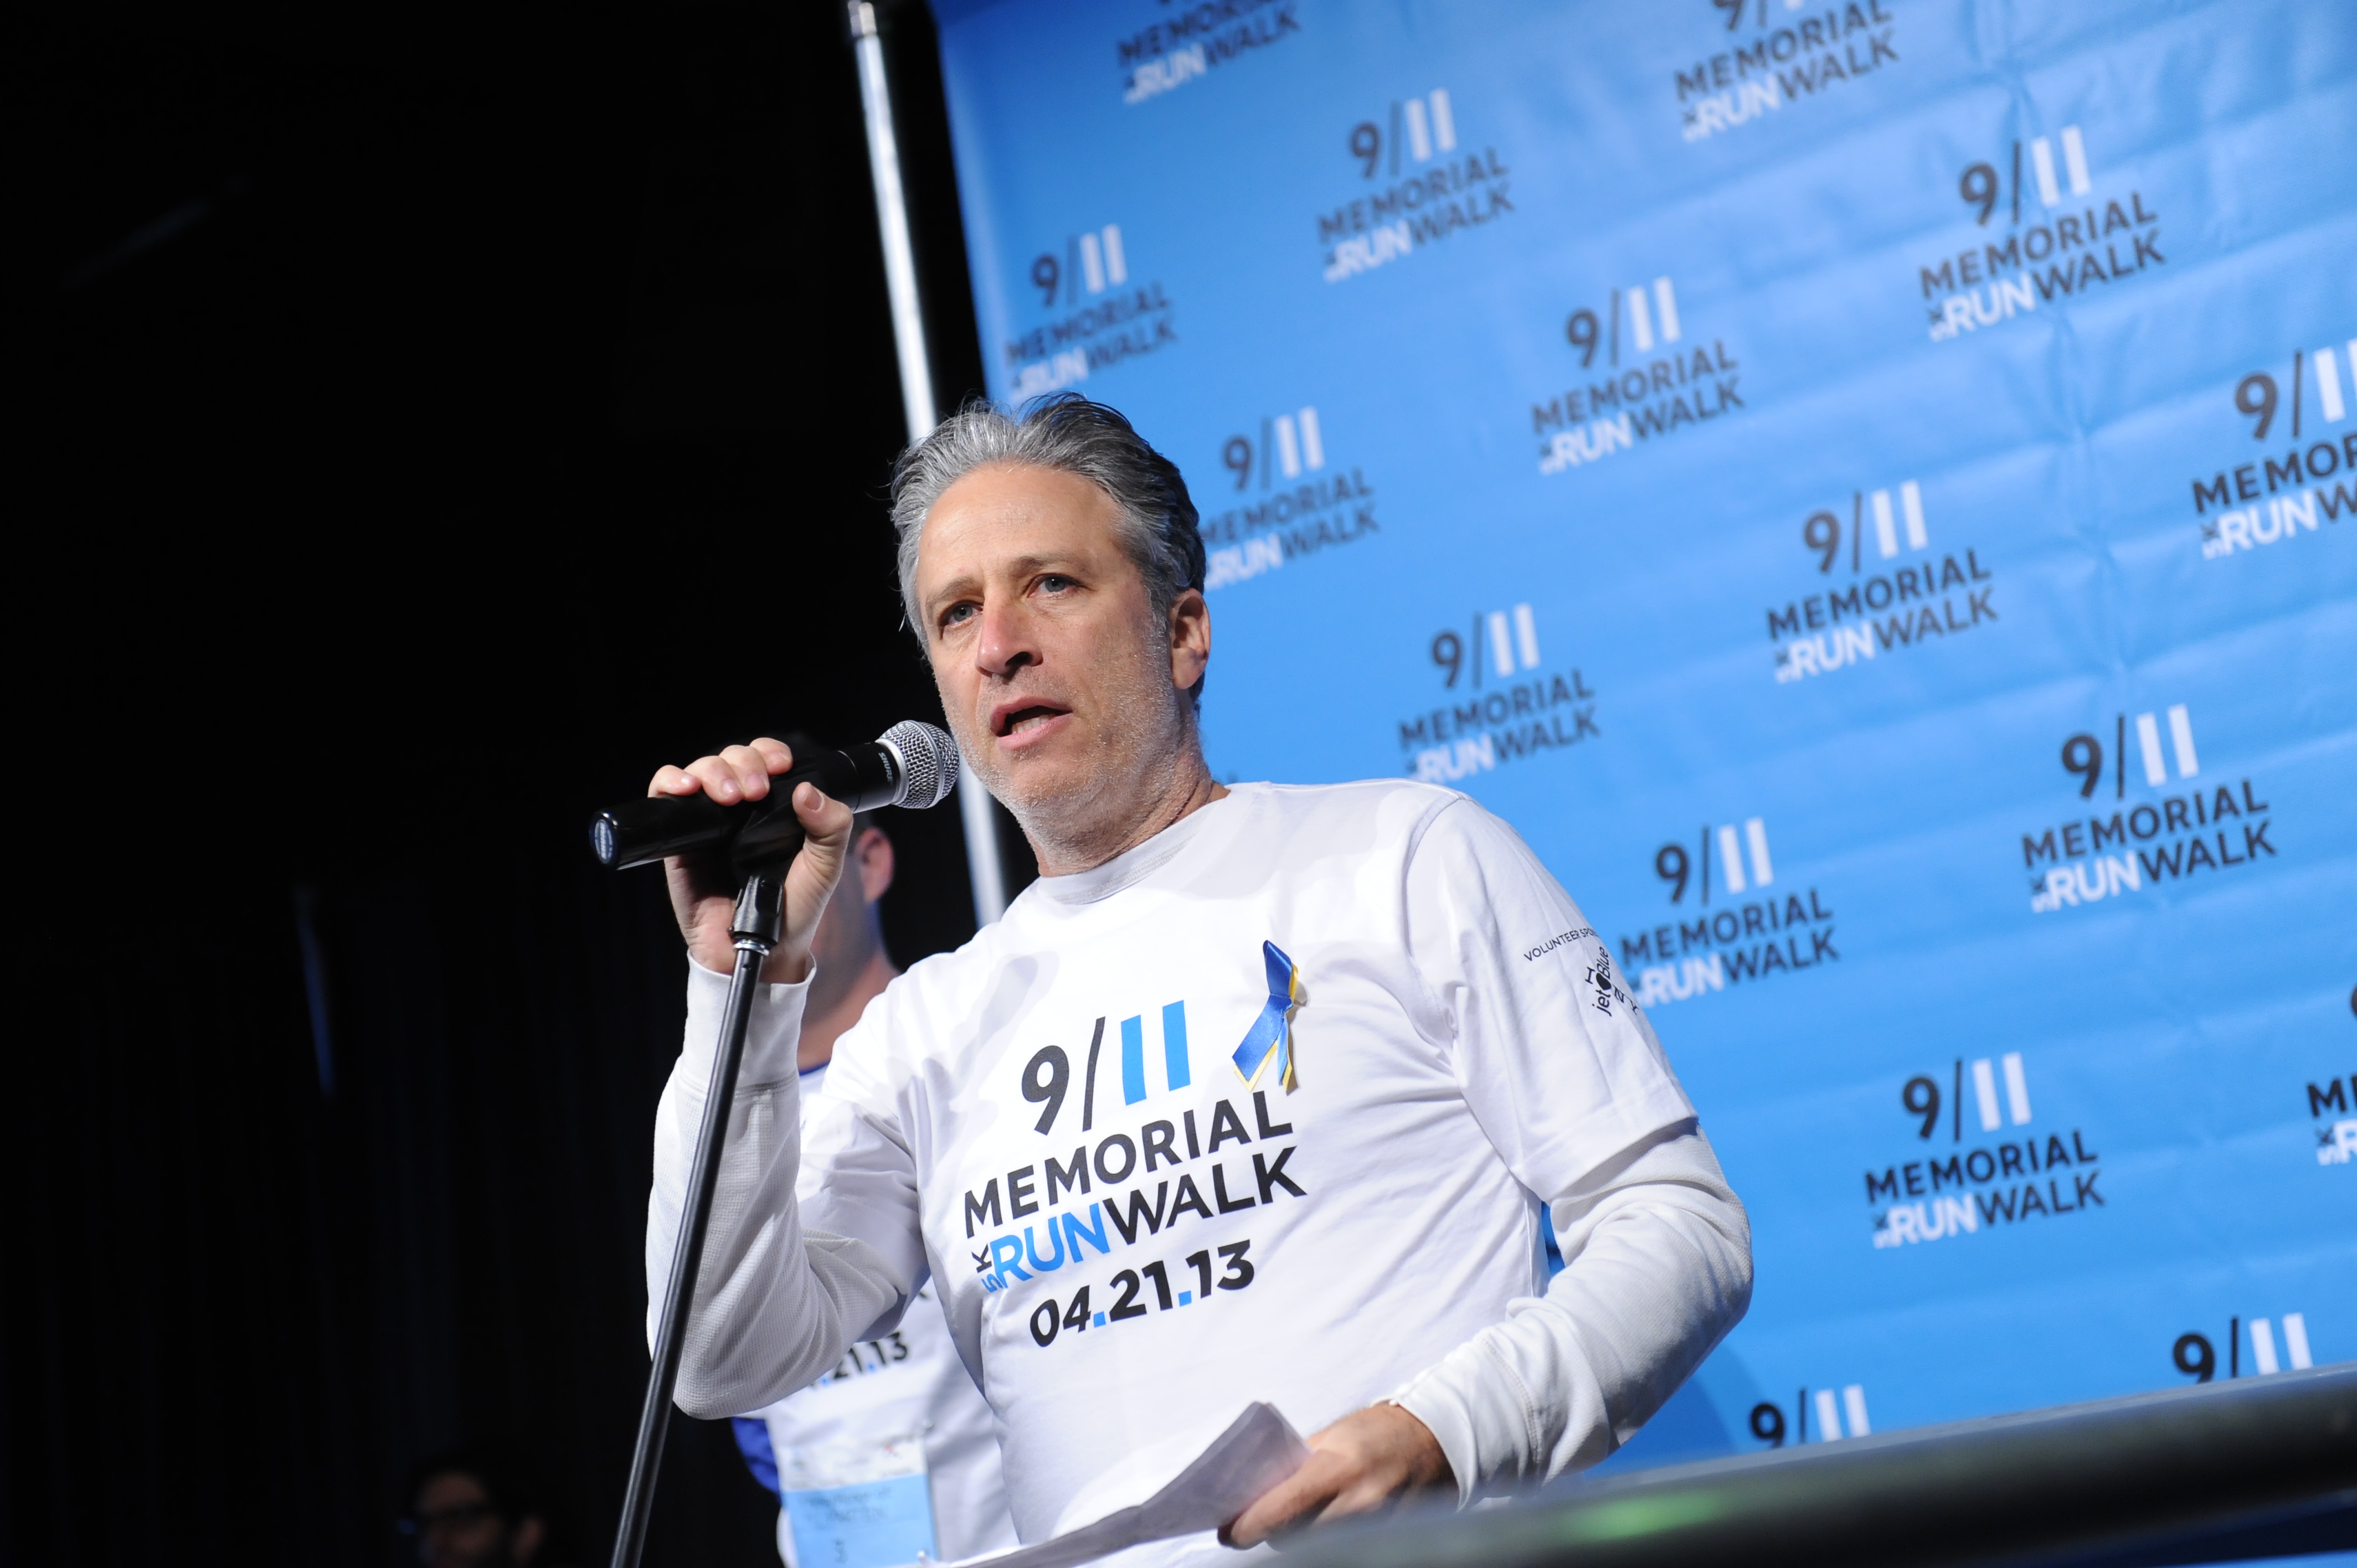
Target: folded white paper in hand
(1259, 1449)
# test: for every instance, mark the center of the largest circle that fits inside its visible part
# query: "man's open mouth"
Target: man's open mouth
(1021, 719)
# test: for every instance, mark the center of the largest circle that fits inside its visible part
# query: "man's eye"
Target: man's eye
(1055, 583)
(957, 613)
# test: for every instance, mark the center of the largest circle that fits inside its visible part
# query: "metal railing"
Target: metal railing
(2254, 1467)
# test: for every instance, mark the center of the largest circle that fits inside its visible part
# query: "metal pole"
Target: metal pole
(916, 395)
(759, 923)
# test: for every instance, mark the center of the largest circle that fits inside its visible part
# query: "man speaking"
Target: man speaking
(1255, 1094)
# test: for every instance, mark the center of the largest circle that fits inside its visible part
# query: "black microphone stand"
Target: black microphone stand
(759, 923)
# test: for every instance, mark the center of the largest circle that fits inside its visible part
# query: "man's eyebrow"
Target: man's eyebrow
(1020, 566)
(964, 583)
(1025, 565)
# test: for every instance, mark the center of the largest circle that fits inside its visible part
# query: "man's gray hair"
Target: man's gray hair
(1067, 431)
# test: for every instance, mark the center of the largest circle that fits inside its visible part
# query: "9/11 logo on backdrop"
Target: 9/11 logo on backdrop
(2237, 506)
(1898, 593)
(1099, 319)
(1758, 930)
(1500, 704)
(1653, 381)
(2070, 245)
(1188, 42)
(1419, 188)
(1286, 501)
(2200, 827)
(1991, 1183)
(1772, 53)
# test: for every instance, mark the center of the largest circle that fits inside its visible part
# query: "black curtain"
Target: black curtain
(429, 421)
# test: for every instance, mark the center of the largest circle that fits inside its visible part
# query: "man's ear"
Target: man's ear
(873, 854)
(525, 1544)
(1190, 639)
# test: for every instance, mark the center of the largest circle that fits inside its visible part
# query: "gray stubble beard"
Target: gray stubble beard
(1066, 823)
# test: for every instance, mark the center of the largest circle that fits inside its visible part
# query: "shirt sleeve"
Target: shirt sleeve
(1571, 1085)
(775, 1304)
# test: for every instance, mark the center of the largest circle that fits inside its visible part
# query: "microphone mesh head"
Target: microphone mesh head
(929, 763)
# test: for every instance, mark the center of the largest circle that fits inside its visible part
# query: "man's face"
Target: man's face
(460, 1528)
(1061, 683)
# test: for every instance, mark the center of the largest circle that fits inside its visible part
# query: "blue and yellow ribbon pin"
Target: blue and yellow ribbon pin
(1272, 1033)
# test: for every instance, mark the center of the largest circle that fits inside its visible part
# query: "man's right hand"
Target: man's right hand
(704, 888)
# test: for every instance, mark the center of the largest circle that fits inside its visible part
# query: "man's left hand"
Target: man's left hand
(1360, 1464)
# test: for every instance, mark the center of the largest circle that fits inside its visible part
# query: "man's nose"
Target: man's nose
(1005, 644)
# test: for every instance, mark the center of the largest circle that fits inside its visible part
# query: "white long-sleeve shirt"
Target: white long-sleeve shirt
(1133, 1234)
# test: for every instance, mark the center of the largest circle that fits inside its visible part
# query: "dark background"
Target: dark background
(427, 422)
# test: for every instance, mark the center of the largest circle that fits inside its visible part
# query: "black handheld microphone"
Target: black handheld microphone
(911, 764)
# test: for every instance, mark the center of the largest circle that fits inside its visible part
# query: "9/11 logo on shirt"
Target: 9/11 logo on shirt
(1117, 1157)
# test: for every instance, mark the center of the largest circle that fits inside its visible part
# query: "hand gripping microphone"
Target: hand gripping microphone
(911, 764)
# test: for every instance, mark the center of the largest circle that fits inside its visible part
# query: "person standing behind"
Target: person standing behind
(477, 1508)
(861, 1416)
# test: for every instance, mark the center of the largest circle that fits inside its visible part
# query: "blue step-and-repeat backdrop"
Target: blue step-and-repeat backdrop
(1869, 491)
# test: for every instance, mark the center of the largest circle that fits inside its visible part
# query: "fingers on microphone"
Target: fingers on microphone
(718, 779)
(737, 773)
(751, 767)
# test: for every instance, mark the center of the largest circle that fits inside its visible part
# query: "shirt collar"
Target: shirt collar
(1132, 865)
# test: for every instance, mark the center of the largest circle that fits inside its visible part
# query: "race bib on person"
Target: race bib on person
(858, 1502)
